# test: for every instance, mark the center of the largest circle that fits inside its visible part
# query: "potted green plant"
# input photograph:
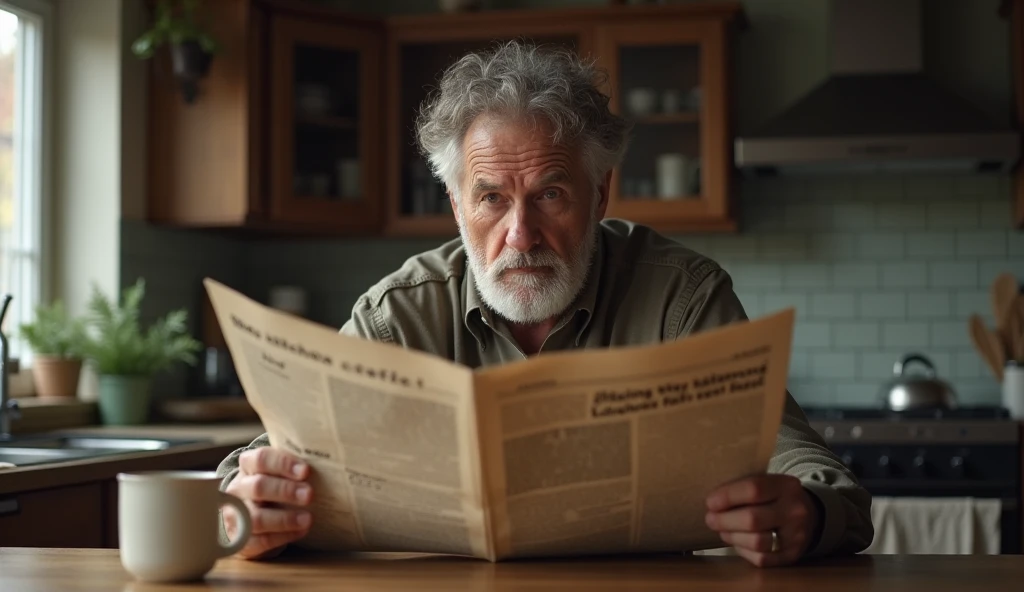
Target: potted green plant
(192, 49)
(57, 341)
(126, 357)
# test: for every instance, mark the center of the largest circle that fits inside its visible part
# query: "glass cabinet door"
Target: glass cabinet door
(418, 203)
(669, 82)
(325, 115)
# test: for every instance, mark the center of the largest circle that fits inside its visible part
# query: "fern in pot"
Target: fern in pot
(57, 341)
(126, 357)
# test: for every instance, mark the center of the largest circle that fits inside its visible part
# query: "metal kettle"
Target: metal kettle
(916, 391)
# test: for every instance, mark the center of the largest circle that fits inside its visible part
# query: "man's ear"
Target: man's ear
(603, 191)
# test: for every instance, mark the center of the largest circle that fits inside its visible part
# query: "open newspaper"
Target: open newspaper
(585, 452)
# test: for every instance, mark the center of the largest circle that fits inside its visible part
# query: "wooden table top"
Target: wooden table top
(85, 570)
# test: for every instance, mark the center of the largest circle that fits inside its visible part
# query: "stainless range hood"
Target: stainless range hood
(878, 111)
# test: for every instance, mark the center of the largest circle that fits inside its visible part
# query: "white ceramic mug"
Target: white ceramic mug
(169, 524)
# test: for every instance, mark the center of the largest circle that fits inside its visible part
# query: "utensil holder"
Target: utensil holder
(1013, 389)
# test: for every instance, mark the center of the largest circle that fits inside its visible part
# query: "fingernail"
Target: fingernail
(298, 469)
(302, 493)
(305, 520)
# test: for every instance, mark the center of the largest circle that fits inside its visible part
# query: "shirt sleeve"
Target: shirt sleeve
(845, 507)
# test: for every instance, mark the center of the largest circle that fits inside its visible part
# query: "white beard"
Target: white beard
(531, 298)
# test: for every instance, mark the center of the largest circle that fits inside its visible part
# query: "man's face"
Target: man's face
(528, 217)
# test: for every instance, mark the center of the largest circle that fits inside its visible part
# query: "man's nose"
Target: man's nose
(523, 232)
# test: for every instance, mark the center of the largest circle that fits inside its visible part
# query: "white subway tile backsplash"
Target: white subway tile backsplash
(904, 275)
(833, 246)
(749, 276)
(961, 274)
(878, 365)
(883, 305)
(812, 391)
(971, 243)
(950, 334)
(1016, 243)
(899, 216)
(806, 275)
(968, 364)
(781, 300)
(834, 364)
(857, 394)
(737, 248)
(799, 364)
(978, 391)
(990, 268)
(881, 245)
(995, 214)
(782, 247)
(854, 215)
(958, 213)
(855, 275)
(973, 302)
(809, 216)
(855, 335)
(930, 304)
(881, 187)
(922, 188)
(900, 334)
(833, 305)
(931, 245)
(812, 334)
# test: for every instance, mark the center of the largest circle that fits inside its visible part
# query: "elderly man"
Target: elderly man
(525, 144)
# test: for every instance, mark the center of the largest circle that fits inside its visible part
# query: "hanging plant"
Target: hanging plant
(192, 49)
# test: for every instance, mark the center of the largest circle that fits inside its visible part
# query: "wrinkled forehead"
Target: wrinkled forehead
(495, 145)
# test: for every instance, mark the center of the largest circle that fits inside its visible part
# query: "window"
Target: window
(22, 182)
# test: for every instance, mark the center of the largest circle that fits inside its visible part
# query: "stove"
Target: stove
(962, 452)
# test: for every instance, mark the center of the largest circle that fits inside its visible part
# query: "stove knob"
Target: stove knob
(884, 466)
(958, 466)
(920, 465)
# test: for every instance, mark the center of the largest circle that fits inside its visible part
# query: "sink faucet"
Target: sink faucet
(8, 406)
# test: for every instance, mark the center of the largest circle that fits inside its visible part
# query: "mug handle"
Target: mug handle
(245, 522)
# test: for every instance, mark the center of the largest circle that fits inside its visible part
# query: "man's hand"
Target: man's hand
(745, 511)
(271, 483)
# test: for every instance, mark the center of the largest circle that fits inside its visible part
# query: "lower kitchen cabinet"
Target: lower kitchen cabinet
(72, 516)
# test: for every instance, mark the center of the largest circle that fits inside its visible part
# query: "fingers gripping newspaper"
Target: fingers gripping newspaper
(586, 452)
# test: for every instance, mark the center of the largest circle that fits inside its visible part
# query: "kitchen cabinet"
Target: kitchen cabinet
(284, 136)
(305, 124)
(71, 516)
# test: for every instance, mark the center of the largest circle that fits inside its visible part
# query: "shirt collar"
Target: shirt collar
(477, 313)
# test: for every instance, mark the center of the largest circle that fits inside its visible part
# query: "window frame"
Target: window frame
(38, 168)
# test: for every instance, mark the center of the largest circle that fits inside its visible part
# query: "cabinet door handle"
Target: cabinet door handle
(9, 506)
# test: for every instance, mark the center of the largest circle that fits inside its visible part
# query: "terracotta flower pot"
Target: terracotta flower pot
(55, 376)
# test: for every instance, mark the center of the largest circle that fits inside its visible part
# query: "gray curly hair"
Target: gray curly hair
(521, 81)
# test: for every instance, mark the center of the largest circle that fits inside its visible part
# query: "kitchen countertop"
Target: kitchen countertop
(85, 570)
(216, 441)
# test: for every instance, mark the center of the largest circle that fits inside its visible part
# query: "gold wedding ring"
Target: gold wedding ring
(775, 541)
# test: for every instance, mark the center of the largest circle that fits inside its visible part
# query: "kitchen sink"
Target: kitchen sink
(35, 450)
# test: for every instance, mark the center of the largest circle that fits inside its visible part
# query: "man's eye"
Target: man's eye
(552, 194)
(491, 198)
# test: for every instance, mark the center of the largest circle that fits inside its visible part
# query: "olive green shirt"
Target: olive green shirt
(642, 288)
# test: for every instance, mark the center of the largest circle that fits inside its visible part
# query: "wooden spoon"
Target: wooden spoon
(1005, 290)
(988, 345)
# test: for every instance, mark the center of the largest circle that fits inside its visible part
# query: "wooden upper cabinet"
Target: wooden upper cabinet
(669, 79)
(306, 121)
(324, 122)
(419, 50)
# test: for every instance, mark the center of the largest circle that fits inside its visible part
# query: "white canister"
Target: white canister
(1013, 390)
(671, 172)
(348, 178)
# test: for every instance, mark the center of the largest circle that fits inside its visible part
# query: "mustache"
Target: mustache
(510, 259)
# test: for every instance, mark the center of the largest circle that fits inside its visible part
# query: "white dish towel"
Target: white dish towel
(935, 526)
